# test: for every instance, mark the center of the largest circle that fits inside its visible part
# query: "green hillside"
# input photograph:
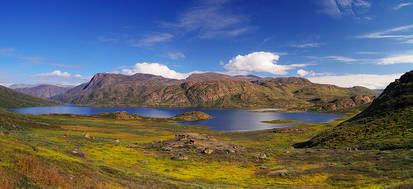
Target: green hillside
(386, 124)
(12, 99)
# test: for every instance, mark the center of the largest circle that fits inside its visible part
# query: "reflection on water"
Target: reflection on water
(224, 120)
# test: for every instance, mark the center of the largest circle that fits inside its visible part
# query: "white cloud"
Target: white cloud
(210, 19)
(340, 8)
(401, 5)
(397, 59)
(155, 69)
(176, 55)
(56, 73)
(333, 58)
(82, 77)
(398, 33)
(150, 40)
(259, 62)
(372, 81)
(341, 58)
(307, 45)
(366, 52)
(302, 72)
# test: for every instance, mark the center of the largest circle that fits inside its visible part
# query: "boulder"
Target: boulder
(180, 157)
(208, 151)
(261, 156)
(78, 152)
(133, 145)
(277, 173)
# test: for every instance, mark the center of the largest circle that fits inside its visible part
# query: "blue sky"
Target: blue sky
(342, 42)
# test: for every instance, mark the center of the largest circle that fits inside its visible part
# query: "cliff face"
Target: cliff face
(209, 90)
(44, 91)
(386, 124)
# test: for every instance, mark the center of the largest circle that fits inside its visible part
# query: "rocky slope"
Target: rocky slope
(12, 99)
(45, 90)
(386, 124)
(214, 90)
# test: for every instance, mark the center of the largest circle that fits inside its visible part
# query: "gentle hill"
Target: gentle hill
(12, 99)
(214, 90)
(386, 124)
(44, 90)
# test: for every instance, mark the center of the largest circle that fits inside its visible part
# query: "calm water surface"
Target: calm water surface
(224, 120)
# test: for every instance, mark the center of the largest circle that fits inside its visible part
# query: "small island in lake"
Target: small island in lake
(279, 121)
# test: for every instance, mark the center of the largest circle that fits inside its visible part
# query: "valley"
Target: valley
(125, 150)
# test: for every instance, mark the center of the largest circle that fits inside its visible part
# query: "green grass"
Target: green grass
(35, 152)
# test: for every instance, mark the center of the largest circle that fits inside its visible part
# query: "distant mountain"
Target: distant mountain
(45, 90)
(386, 124)
(17, 86)
(379, 90)
(214, 90)
(209, 76)
(12, 99)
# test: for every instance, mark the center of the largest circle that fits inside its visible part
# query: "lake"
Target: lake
(223, 120)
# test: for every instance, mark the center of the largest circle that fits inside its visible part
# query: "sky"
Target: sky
(341, 42)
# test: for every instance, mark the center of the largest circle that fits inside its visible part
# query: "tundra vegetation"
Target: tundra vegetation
(121, 150)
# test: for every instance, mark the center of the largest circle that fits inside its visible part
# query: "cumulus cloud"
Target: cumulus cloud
(303, 73)
(372, 81)
(56, 73)
(259, 62)
(401, 5)
(155, 69)
(397, 59)
(176, 55)
(340, 8)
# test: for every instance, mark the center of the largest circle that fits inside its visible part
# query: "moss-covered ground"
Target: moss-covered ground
(38, 152)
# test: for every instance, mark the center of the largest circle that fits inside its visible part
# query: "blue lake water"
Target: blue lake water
(224, 120)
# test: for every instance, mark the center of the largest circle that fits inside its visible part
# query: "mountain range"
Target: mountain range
(214, 90)
(43, 90)
(386, 124)
(13, 99)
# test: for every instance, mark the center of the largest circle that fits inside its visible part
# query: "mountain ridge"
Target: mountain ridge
(13, 99)
(213, 90)
(44, 90)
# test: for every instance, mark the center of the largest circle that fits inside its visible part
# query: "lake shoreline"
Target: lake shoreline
(222, 119)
